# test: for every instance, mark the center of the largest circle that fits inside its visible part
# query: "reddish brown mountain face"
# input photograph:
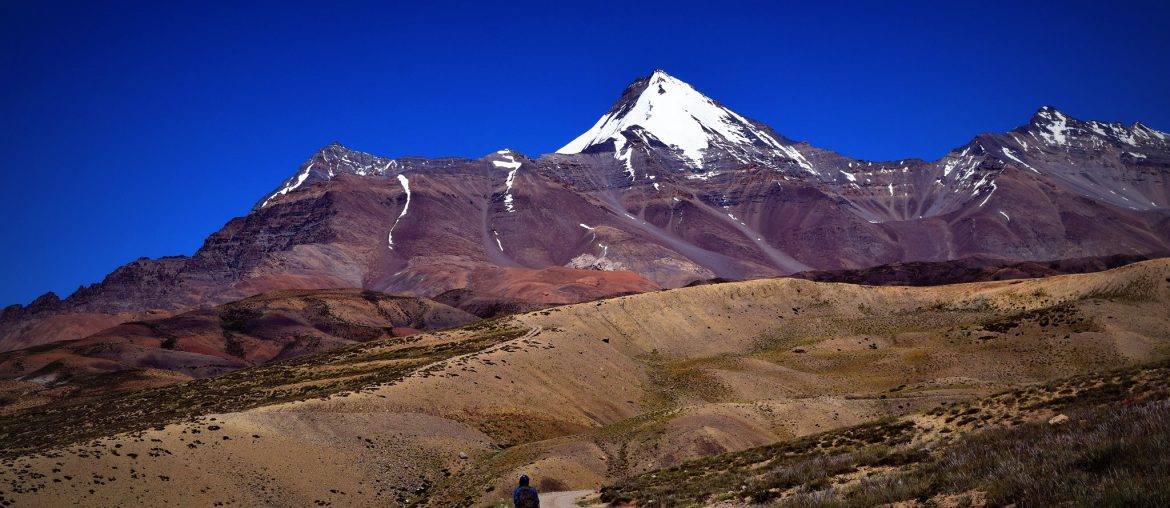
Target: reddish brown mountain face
(208, 342)
(669, 187)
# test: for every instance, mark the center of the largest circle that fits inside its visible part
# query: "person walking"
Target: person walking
(525, 496)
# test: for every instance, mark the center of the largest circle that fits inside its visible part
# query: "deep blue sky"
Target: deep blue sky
(137, 129)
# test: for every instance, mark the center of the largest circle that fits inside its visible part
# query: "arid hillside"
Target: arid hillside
(209, 342)
(1090, 440)
(581, 396)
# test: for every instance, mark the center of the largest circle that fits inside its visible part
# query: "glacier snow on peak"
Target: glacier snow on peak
(677, 115)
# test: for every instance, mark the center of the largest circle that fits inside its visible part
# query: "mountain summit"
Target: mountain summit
(660, 109)
(1054, 128)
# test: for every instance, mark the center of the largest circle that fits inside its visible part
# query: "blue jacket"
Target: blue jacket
(516, 495)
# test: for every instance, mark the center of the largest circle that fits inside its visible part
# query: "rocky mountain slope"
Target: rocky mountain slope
(209, 342)
(586, 395)
(669, 185)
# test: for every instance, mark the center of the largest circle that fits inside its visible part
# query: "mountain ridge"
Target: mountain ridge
(1054, 188)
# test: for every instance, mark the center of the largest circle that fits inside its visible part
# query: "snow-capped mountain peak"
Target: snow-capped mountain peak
(1051, 125)
(1055, 128)
(671, 111)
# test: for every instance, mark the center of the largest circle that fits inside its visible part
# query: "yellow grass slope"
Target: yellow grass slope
(598, 391)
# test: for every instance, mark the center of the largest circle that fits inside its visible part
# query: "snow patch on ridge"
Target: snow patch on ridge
(1055, 128)
(405, 188)
(512, 165)
(965, 163)
(1013, 157)
(988, 195)
(301, 177)
(703, 176)
(795, 155)
(1148, 133)
(1114, 131)
(625, 158)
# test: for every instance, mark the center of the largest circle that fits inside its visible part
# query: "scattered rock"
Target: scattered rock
(1058, 420)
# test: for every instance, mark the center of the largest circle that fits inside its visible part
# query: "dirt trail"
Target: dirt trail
(564, 499)
(532, 332)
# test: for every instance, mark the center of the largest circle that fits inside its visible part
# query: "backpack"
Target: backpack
(526, 498)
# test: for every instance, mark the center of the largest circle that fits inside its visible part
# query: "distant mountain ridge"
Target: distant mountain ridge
(972, 269)
(671, 186)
